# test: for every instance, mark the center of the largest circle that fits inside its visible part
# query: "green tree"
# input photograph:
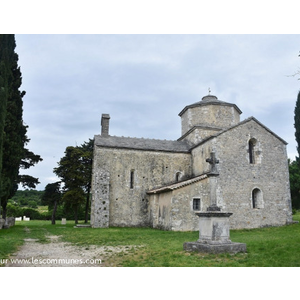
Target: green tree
(75, 171)
(297, 124)
(87, 161)
(71, 169)
(52, 197)
(23, 197)
(294, 170)
(4, 57)
(294, 167)
(32, 204)
(73, 199)
(14, 154)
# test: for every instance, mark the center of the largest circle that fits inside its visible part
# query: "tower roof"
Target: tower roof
(209, 100)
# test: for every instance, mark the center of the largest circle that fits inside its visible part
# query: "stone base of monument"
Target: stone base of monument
(215, 248)
(214, 234)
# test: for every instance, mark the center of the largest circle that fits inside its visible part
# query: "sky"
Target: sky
(144, 80)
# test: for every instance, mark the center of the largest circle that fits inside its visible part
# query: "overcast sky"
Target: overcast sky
(144, 81)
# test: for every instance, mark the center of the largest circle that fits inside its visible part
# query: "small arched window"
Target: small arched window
(177, 177)
(257, 198)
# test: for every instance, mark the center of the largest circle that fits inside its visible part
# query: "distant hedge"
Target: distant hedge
(33, 214)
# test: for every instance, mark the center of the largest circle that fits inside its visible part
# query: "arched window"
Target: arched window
(252, 144)
(257, 198)
(177, 177)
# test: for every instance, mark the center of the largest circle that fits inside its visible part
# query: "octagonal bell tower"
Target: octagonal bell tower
(207, 117)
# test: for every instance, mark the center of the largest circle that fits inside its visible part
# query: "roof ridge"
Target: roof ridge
(142, 144)
(138, 138)
(177, 185)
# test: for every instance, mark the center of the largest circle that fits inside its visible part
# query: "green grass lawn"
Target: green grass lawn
(266, 247)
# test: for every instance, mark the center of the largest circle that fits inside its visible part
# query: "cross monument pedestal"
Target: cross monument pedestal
(214, 235)
(214, 232)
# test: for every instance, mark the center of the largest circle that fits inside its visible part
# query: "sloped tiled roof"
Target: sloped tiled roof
(177, 185)
(142, 144)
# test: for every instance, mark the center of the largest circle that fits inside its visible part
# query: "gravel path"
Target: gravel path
(62, 254)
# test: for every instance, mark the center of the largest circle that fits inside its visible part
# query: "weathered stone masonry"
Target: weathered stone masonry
(129, 205)
(100, 208)
(162, 184)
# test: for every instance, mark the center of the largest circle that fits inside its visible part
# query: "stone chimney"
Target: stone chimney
(105, 125)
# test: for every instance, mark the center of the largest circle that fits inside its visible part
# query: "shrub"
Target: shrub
(31, 213)
(13, 210)
(62, 212)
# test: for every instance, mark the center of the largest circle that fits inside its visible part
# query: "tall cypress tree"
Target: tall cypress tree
(297, 125)
(4, 57)
(14, 155)
(3, 101)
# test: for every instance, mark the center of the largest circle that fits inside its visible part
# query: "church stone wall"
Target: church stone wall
(100, 198)
(131, 174)
(174, 210)
(200, 154)
(238, 177)
(160, 210)
(199, 133)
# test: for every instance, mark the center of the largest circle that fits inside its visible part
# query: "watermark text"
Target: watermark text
(50, 261)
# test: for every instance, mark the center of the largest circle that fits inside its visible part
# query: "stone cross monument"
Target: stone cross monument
(213, 182)
(213, 162)
(214, 233)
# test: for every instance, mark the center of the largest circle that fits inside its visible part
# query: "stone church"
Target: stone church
(163, 183)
